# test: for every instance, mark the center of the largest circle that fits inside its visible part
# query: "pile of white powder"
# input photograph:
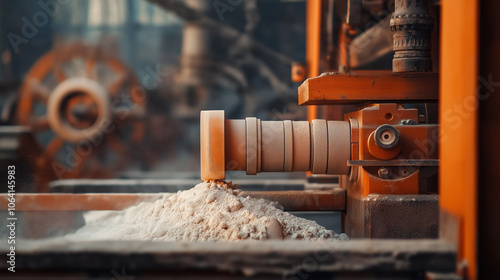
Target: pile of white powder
(209, 211)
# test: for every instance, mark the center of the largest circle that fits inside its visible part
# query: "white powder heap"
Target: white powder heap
(209, 211)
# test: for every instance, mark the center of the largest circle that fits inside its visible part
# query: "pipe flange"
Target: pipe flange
(212, 145)
(319, 151)
(339, 147)
(412, 22)
(252, 136)
(288, 161)
(386, 136)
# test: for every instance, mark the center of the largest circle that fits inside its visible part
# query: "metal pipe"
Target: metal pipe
(412, 25)
(195, 46)
(322, 147)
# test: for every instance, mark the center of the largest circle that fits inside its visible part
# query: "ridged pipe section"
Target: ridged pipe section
(252, 145)
(412, 25)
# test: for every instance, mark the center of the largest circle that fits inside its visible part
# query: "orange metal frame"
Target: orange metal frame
(313, 34)
(458, 131)
(366, 86)
(458, 139)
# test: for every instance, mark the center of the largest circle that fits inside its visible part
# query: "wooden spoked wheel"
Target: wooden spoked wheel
(85, 109)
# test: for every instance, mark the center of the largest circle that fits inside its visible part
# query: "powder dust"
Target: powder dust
(210, 211)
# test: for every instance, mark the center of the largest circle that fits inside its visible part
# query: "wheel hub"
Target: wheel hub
(78, 110)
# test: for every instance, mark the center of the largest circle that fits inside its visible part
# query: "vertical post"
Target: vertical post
(313, 39)
(458, 129)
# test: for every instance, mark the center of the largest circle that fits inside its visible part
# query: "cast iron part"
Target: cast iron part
(412, 25)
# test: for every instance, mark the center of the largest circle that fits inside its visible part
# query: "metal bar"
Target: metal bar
(75, 202)
(403, 162)
(369, 86)
(164, 185)
(333, 200)
(291, 200)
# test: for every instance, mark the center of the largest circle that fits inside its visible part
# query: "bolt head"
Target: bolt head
(384, 172)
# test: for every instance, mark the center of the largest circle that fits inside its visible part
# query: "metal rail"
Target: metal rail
(333, 200)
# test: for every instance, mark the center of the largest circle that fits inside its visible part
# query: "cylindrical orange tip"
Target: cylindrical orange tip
(212, 154)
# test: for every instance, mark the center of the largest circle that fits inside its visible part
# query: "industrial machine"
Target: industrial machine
(380, 152)
(385, 153)
(399, 141)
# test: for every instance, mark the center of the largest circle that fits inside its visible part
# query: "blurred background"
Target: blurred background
(159, 62)
(100, 100)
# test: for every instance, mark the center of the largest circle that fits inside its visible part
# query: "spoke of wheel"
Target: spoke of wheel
(59, 73)
(90, 68)
(39, 91)
(55, 144)
(115, 86)
(40, 124)
(82, 162)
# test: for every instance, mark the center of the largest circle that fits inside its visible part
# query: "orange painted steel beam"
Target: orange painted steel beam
(333, 200)
(313, 39)
(458, 118)
(75, 202)
(367, 86)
